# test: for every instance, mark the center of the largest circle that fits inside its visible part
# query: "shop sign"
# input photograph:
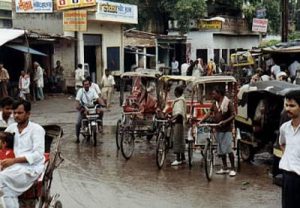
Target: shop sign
(73, 4)
(116, 12)
(75, 20)
(34, 6)
(209, 25)
(260, 25)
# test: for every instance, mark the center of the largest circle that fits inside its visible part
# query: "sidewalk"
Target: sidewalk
(60, 109)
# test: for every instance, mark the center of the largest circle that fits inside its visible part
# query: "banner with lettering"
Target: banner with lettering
(116, 12)
(75, 20)
(72, 4)
(34, 6)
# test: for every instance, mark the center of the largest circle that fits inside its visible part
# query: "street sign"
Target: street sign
(260, 25)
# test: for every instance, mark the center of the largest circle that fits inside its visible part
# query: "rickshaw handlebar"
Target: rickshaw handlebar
(208, 124)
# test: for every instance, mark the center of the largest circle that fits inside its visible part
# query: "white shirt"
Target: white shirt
(79, 77)
(39, 77)
(24, 83)
(3, 123)
(96, 88)
(290, 160)
(294, 67)
(86, 97)
(174, 66)
(184, 68)
(275, 69)
(29, 144)
(108, 81)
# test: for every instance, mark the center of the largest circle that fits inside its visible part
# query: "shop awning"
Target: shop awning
(9, 34)
(26, 49)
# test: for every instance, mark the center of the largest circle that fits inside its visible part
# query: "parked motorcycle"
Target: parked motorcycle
(91, 123)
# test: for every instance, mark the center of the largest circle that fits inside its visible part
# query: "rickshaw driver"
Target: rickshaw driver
(19, 173)
(222, 112)
(86, 96)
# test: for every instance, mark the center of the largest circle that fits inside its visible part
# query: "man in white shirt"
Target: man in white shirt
(107, 84)
(24, 83)
(174, 67)
(94, 86)
(184, 68)
(289, 141)
(79, 77)
(19, 173)
(6, 117)
(85, 96)
(275, 69)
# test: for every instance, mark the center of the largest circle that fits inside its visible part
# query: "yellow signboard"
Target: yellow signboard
(75, 20)
(72, 4)
(209, 25)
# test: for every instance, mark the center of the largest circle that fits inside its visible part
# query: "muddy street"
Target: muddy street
(100, 177)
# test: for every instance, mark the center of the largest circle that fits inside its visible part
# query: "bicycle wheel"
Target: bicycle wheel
(161, 150)
(208, 161)
(127, 144)
(190, 152)
(118, 134)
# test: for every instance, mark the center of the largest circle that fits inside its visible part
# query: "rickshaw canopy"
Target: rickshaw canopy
(213, 79)
(149, 73)
(166, 78)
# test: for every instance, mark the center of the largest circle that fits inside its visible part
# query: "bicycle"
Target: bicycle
(210, 147)
(164, 143)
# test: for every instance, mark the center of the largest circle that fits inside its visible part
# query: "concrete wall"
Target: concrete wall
(207, 40)
(46, 23)
(111, 37)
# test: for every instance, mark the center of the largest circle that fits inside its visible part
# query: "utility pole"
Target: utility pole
(284, 20)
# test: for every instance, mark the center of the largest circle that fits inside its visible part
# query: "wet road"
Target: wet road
(100, 177)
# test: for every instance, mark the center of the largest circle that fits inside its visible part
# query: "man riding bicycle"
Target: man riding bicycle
(86, 96)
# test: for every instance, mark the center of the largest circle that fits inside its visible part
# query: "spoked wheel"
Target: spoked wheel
(118, 134)
(246, 151)
(161, 150)
(190, 153)
(94, 134)
(58, 204)
(127, 145)
(208, 161)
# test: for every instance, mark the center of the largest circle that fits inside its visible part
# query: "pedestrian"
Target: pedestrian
(293, 69)
(257, 76)
(79, 77)
(222, 113)
(275, 69)
(211, 68)
(4, 78)
(6, 117)
(290, 145)
(39, 80)
(179, 119)
(184, 67)
(58, 76)
(197, 70)
(21, 172)
(175, 66)
(107, 84)
(24, 83)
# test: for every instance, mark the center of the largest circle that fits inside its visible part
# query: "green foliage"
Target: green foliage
(294, 36)
(269, 43)
(186, 10)
(272, 13)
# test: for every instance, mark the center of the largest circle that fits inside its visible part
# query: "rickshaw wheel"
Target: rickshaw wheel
(246, 151)
(58, 204)
(161, 150)
(190, 153)
(118, 134)
(208, 161)
(127, 145)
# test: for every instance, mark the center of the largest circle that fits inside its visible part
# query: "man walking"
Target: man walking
(290, 145)
(4, 78)
(107, 84)
(39, 80)
(19, 173)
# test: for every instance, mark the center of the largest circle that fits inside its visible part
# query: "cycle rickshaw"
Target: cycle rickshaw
(163, 125)
(202, 136)
(139, 108)
(40, 192)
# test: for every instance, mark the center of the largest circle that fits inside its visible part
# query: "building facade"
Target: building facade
(5, 14)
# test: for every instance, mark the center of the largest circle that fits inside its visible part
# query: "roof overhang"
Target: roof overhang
(7, 35)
